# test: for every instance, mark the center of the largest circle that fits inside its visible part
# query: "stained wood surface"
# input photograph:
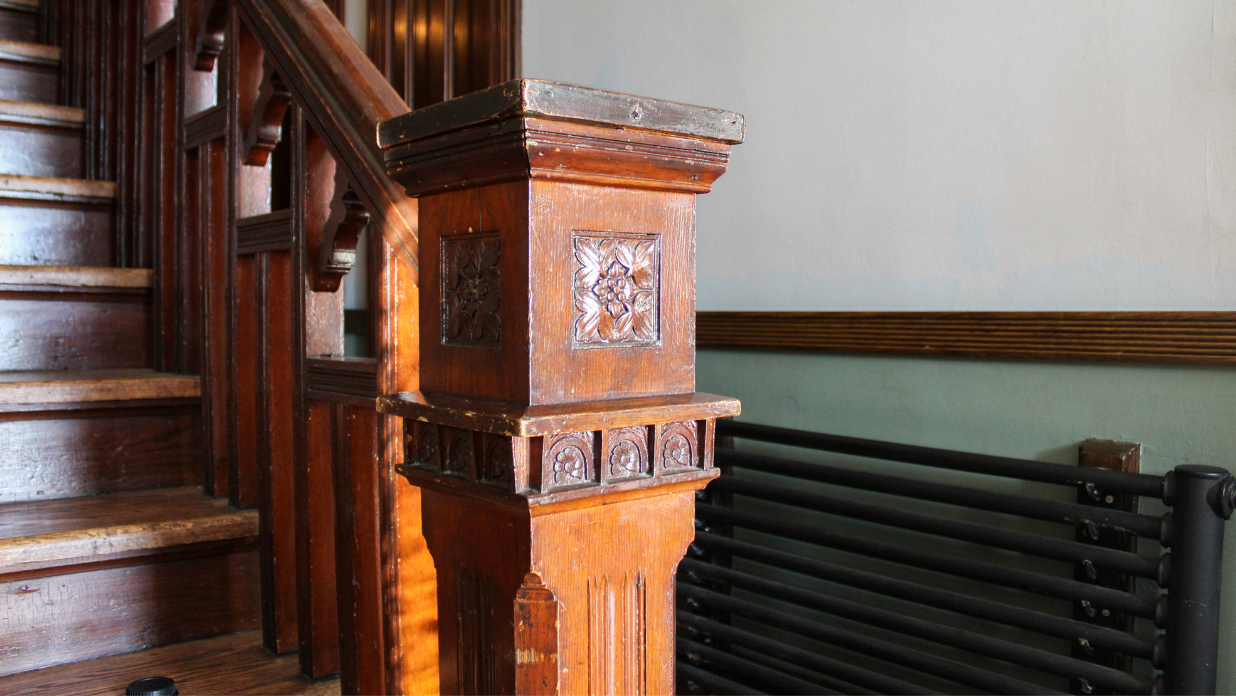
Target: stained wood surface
(527, 421)
(30, 52)
(76, 276)
(1162, 337)
(41, 114)
(231, 664)
(37, 228)
(66, 328)
(48, 533)
(29, 72)
(41, 139)
(94, 385)
(56, 619)
(19, 20)
(53, 188)
(528, 98)
(76, 451)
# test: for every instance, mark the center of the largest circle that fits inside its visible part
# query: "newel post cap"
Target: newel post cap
(536, 129)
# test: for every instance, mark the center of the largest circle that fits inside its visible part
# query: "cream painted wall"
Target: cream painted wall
(943, 154)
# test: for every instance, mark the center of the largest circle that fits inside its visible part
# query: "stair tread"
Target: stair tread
(232, 664)
(38, 112)
(77, 276)
(44, 533)
(64, 386)
(57, 186)
(29, 52)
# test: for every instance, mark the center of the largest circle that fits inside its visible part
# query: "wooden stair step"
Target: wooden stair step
(75, 317)
(77, 386)
(57, 188)
(36, 113)
(58, 221)
(75, 277)
(52, 533)
(43, 140)
(70, 433)
(26, 52)
(231, 664)
(29, 71)
(19, 20)
(86, 577)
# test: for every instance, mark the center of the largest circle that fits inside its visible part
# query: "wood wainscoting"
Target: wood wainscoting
(1162, 337)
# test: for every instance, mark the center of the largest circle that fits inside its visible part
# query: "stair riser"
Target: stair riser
(19, 25)
(107, 611)
(64, 454)
(55, 233)
(40, 150)
(21, 81)
(74, 331)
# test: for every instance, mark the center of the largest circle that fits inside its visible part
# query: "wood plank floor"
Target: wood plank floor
(231, 664)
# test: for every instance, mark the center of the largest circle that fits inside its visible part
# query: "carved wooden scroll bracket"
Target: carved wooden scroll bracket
(267, 127)
(212, 36)
(337, 253)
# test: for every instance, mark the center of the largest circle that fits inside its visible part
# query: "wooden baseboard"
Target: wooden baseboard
(1162, 337)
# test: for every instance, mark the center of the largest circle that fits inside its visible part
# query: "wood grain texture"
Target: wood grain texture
(45, 142)
(64, 618)
(19, 21)
(76, 277)
(529, 421)
(29, 71)
(94, 385)
(231, 664)
(1156, 337)
(37, 230)
(49, 533)
(59, 328)
(82, 452)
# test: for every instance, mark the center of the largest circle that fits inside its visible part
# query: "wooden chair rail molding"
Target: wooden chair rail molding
(1207, 338)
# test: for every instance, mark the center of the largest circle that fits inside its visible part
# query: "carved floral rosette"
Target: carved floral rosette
(560, 461)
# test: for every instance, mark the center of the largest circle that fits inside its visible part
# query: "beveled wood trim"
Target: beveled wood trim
(266, 232)
(343, 380)
(205, 126)
(1162, 337)
(160, 41)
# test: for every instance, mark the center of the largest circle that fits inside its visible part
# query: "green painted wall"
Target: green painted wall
(1035, 410)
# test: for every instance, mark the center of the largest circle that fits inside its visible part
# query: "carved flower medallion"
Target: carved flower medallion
(567, 461)
(470, 290)
(615, 290)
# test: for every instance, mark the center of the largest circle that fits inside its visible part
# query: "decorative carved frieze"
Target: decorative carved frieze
(616, 290)
(556, 462)
(471, 290)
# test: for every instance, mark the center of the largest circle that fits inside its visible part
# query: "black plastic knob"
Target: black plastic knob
(152, 686)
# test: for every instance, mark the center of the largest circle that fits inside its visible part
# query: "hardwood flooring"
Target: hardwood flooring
(232, 664)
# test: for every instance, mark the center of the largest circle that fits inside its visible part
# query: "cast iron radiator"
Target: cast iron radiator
(902, 569)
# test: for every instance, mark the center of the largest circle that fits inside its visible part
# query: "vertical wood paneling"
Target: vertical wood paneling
(217, 260)
(275, 451)
(318, 322)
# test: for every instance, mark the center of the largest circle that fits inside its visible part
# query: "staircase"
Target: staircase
(107, 543)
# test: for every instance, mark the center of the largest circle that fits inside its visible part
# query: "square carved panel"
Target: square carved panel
(471, 290)
(616, 289)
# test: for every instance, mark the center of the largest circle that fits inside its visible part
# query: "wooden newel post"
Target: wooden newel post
(558, 438)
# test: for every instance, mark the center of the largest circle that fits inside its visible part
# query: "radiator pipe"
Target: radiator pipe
(1201, 498)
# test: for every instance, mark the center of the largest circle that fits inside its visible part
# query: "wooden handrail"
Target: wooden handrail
(345, 98)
